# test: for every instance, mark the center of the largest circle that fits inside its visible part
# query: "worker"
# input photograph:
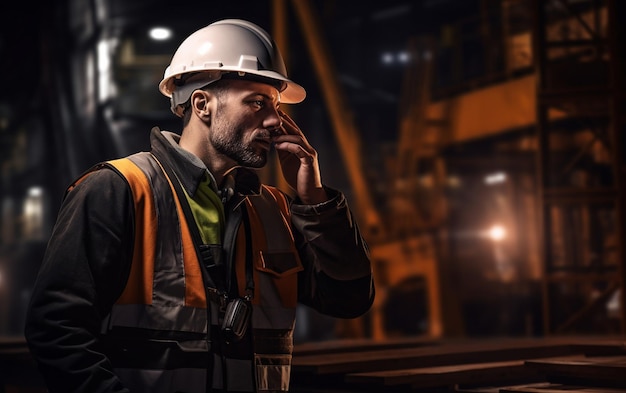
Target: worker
(176, 270)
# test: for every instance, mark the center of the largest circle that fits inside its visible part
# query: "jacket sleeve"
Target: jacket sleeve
(83, 271)
(337, 276)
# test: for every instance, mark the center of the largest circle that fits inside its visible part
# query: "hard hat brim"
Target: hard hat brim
(293, 93)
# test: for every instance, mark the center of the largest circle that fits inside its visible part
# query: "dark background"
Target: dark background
(69, 99)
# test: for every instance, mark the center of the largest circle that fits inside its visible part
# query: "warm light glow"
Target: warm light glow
(497, 233)
(613, 305)
(33, 213)
(454, 181)
(495, 178)
(160, 33)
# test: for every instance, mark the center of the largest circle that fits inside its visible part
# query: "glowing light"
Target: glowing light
(454, 181)
(387, 58)
(35, 191)
(104, 58)
(160, 33)
(403, 57)
(613, 305)
(495, 178)
(106, 88)
(33, 213)
(497, 233)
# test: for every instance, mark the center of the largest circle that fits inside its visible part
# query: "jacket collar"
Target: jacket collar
(191, 170)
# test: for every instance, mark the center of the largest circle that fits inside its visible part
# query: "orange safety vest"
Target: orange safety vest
(159, 334)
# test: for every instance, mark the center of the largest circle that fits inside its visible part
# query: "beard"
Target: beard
(228, 139)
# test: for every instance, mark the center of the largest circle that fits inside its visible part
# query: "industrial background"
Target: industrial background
(480, 143)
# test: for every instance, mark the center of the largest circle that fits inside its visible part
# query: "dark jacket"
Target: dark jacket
(87, 263)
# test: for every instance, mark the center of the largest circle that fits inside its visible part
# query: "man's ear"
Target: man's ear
(200, 104)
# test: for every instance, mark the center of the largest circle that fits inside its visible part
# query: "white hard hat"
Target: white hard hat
(227, 47)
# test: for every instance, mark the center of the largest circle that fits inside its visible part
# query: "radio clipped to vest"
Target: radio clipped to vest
(236, 319)
(238, 311)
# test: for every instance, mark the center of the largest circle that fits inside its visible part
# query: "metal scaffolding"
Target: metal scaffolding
(580, 165)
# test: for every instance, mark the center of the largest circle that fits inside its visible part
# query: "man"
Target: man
(175, 270)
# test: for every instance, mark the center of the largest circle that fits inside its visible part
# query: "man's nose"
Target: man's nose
(273, 121)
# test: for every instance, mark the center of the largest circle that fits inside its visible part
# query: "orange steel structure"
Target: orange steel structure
(412, 239)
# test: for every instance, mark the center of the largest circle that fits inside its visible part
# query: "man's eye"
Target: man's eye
(259, 103)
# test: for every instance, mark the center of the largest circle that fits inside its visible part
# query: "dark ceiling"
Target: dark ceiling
(378, 25)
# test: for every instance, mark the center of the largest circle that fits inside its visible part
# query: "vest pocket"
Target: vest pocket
(279, 264)
(277, 272)
(272, 372)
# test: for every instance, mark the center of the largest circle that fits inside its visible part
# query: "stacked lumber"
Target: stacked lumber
(541, 365)
(479, 365)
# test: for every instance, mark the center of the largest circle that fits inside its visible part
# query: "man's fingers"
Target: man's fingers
(295, 149)
(294, 139)
(289, 125)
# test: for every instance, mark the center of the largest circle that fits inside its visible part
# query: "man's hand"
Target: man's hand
(299, 164)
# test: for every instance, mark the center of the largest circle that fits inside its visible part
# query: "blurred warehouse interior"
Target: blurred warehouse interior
(480, 143)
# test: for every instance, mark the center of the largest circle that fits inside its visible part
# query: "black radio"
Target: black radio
(236, 319)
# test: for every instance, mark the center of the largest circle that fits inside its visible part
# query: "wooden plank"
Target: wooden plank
(495, 388)
(448, 353)
(599, 346)
(595, 370)
(360, 345)
(548, 387)
(424, 377)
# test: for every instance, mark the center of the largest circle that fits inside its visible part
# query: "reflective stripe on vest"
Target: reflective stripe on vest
(165, 274)
(165, 291)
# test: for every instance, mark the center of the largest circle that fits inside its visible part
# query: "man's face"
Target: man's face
(246, 114)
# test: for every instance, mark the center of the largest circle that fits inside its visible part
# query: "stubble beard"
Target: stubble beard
(229, 141)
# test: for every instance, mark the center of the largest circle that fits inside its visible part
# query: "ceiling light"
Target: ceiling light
(160, 33)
